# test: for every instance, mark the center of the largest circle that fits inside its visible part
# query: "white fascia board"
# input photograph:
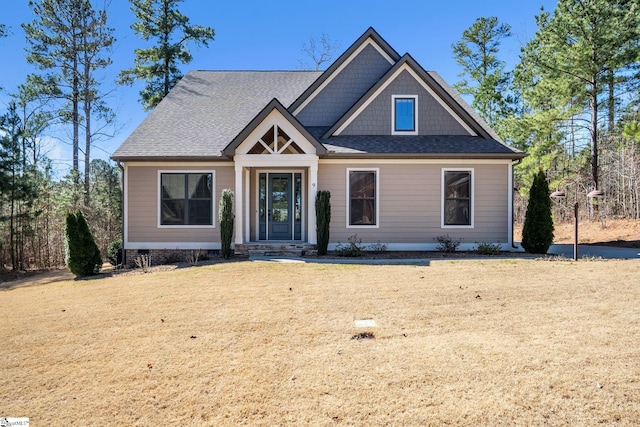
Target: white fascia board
(404, 67)
(376, 162)
(368, 42)
(174, 163)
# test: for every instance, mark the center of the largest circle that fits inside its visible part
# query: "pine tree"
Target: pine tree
(158, 65)
(68, 41)
(582, 49)
(484, 73)
(537, 233)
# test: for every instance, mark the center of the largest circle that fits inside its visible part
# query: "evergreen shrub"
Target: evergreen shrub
(537, 232)
(82, 254)
(323, 220)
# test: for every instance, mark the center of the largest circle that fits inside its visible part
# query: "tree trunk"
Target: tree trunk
(611, 101)
(594, 132)
(87, 153)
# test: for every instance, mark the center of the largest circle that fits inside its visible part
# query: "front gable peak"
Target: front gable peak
(274, 131)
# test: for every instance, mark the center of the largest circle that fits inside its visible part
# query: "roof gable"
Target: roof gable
(273, 113)
(456, 109)
(368, 58)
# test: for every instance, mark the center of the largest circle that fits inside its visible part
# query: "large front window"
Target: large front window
(186, 199)
(457, 198)
(362, 198)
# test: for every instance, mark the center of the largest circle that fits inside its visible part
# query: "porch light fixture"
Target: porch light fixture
(593, 194)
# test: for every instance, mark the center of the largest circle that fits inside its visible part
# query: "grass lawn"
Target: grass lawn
(490, 342)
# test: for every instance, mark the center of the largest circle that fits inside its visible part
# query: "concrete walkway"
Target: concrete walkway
(565, 250)
(606, 252)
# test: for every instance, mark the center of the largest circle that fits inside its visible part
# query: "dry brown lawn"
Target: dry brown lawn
(489, 342)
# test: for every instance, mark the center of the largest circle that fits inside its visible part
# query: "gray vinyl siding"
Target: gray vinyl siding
(142, 200)
(412, 213)
(433, 118)
(345, 89)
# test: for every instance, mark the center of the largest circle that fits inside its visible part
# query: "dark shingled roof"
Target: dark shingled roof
(419, 145)
(207, 109)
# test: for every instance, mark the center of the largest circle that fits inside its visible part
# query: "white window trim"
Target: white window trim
(471, 202)
(393, 115)
(213, 199)
(348, 208)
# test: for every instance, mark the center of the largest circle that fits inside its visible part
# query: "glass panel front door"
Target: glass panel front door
(280, 206)
(279, 201)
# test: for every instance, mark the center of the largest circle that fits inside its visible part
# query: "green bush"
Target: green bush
(447, 244)
(352, 249)
(226, 217)
(323, 220)
(82, 254)
(485, 248)
(537, 232)
(114, 253)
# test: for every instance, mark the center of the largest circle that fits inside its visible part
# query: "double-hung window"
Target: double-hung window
(405, 115)
(457, 203)
(362, 193)
(186, 198)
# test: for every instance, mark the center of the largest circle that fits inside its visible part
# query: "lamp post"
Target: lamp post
(593, 194)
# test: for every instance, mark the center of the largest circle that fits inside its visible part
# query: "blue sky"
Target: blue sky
(252, 35)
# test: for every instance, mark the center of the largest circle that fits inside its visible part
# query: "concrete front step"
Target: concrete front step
(275, 252)
(276, 249)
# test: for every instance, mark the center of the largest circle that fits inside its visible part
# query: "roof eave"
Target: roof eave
(171, 158)
(439, 156)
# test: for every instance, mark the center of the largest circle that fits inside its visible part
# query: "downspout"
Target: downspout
(124, 255)
(513, 212)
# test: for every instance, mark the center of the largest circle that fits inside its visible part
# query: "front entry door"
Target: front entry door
(280, 206)
(279, 210)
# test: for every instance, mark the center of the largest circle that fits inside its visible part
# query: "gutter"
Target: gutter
(513, 165)
(122, 196)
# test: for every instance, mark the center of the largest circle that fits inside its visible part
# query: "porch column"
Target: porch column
(238, 200)
(246, 213)
(313, 190)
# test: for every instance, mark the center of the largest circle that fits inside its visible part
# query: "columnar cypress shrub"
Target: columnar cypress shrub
(537, 233)
(226, 217)
(323, 220)
(82, 254)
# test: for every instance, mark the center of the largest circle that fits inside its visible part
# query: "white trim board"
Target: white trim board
(377, 162)
(182, 164)
(173, 245)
